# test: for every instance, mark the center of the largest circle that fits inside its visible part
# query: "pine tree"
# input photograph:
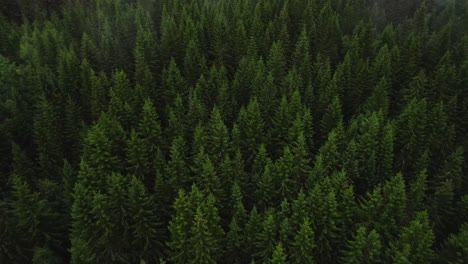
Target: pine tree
(209, 180)
(379, 99)
(278, 256)
(418, 239)
(144, 223)
(325, 221)
(453, 170)
(179, 227)
(394, 200)
(214, 224)
(98, 95)
(281, 124)
(303, 245)
(194, 62)
(234, 243)
(364, 247)
(174, 84)
(301, 166)
(72, 128)
(137, 158)
(301, 57)
(47, 139)
(328, 32)
(201, 240)
(332, 117)
(276, 62)
(265, 186)
(33, 218)
(145, 54)
(251, 129)
(266, 239)
(284, 180)
(454, 248)
(417, 192)
(149, 128)
(441, 207)
(177, 171)
(217, 136)
(121, 104)
(251, 231)
(385, 155)
(411, 128)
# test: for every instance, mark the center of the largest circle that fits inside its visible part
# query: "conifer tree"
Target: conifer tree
(47, 139)
(325, 217)
(364, 247)
(72, 128)
(174, 84)
(149, 128)
(265, 186)
(454, 249)
(266, 239)
(276, 62)
(177, 171)
(137, 158)
(418, 239)
(179, 227)
(281, 125)
(251, 129)
(417, 192)
(98, 95)
(332, 117)
(278, 256)
(303, 245)
(201, 240)
(394, 200)
(144, 223)
(194, 62)
(217, 136)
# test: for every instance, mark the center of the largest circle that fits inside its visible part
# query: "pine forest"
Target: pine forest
(233, 131)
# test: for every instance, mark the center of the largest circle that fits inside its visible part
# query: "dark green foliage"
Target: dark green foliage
(47, 138)
(364, 247)
(303, 245)
(455, 248)
(296, 131)
(278, 256)
(416, 240)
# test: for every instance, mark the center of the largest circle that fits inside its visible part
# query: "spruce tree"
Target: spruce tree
(364, 247)
(304, 244)
(278, 256)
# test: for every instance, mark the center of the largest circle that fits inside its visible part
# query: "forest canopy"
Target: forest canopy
(209, 131)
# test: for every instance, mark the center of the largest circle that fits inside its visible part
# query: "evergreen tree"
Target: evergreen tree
(179, 227)
(394, 201)
(201, 240)
(278, 256)
(303, 245)
(149, 128)
(137, 158)
(365, 247)
(266, 239)
(331, 118)
(174, 83)
(251, 129)
(177, 171)
(47, 139)
(418, 239)
(217, 136)
(276, 62)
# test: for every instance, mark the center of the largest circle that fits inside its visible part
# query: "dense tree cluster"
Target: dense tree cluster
(276, 131)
